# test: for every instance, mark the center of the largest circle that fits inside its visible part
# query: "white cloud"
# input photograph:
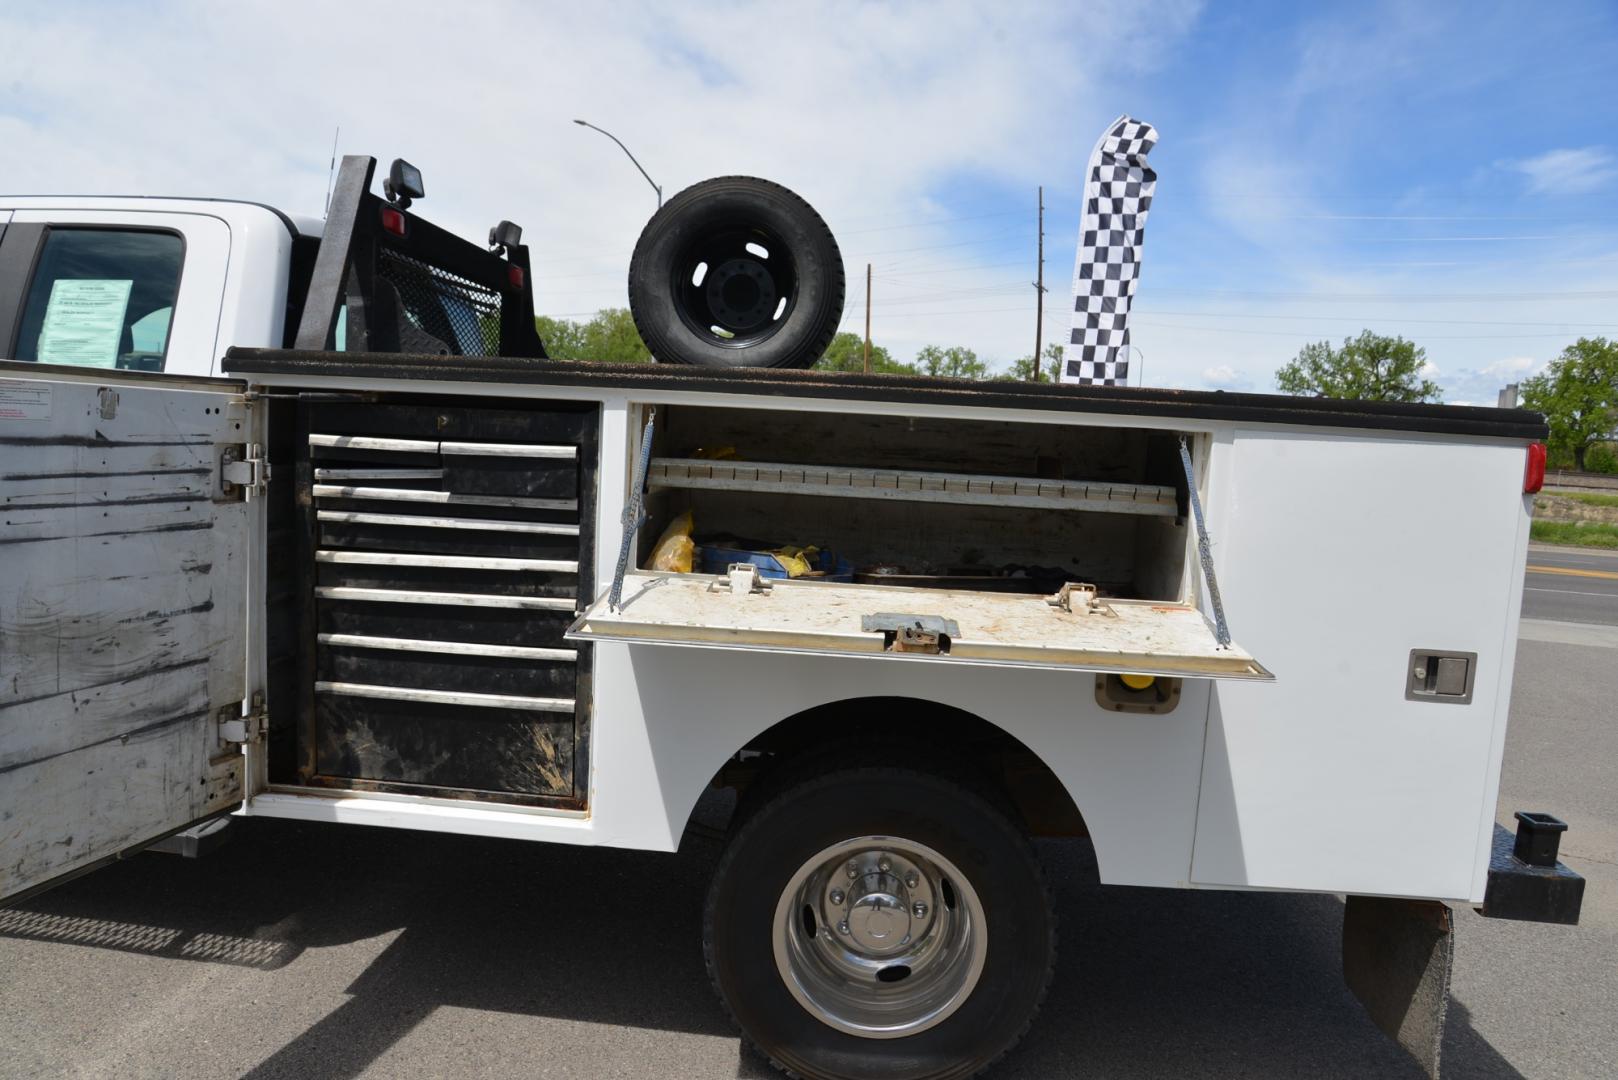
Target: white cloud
(1568, 172)
(868, 111)
(1430, 370)
(1225, 377)
(1513, 368)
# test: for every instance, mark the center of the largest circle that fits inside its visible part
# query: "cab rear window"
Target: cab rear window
(102, 298)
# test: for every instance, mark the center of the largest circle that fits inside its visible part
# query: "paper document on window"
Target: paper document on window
(84, 322)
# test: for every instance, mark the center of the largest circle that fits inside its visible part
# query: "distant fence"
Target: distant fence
(1580, 481)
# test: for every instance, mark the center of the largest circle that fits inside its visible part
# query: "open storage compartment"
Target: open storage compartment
(980, 532)
(434, 551)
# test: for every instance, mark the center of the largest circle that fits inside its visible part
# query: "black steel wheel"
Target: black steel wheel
(736, 272)
(880, 921)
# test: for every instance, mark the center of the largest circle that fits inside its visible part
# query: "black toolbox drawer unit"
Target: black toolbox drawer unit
(444, 547)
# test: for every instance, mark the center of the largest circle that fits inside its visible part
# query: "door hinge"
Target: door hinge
(243, 472)
(741, 579)
(234, 727)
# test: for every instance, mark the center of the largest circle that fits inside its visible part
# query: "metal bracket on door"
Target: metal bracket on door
(1077, 597)
(930, 634)
(236, 728)
(243, 472)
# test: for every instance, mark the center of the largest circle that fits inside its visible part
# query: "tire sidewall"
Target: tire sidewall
(981, 843)
(816, 263)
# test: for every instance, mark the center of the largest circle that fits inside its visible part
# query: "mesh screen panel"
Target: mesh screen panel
(461, 315)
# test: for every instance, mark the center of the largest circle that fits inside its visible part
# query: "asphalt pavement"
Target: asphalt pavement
(1571, 584)
(308, 951)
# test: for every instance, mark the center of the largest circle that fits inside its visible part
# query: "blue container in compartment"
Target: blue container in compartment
(716, 560)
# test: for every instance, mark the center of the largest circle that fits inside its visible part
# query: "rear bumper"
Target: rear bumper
(1525, 880)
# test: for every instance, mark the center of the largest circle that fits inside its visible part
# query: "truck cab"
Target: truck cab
(148, 284)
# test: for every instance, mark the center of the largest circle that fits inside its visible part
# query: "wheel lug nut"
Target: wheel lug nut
(853, 869)
(837, 896)
(912, 879)
(884, 865)
(842, 927)
(920, 909)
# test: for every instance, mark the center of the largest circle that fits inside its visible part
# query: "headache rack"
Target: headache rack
(387, 281)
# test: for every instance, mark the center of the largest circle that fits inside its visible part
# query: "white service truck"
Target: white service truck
(297, 521)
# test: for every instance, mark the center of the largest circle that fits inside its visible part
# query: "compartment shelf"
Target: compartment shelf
(913, 486)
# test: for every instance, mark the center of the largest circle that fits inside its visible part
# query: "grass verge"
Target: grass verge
(1576, 533)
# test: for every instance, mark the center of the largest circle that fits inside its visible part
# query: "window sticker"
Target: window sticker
(84, 322)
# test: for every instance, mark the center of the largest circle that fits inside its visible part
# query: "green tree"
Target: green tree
(1370, 367)
(1022, 368)
(847, 353)
(1578, 393)
(955, 362)
(610, 335)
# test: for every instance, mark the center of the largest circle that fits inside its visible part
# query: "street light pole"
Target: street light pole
(625, 149)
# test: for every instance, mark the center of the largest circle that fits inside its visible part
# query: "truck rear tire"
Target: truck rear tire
(736, 272)
(880, 921)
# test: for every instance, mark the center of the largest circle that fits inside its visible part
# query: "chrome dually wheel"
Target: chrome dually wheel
(878, 919)
(880, 936)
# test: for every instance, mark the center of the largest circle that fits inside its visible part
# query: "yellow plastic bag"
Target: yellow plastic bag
(675, 547)
(797, 560)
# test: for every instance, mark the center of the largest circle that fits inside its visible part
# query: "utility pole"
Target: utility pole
(1039, 287)
(867, 318)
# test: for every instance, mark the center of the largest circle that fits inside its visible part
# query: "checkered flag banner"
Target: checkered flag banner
(1118, 190)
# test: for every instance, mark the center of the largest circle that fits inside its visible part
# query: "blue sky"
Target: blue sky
(1444, 171)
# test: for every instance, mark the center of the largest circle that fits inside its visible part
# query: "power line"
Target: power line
(1148, 321)
(1358, 318)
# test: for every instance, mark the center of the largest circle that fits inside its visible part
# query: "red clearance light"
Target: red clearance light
(1534, 475)
(515, 276)
(393, 221)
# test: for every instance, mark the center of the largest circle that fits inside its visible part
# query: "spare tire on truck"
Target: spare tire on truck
(736, 272)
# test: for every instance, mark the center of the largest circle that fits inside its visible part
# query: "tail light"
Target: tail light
(393, 221)
(1533, 477)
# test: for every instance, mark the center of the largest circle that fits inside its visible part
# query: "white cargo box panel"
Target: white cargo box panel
(1007, 630)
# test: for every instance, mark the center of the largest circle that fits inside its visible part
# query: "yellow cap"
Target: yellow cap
(1137, 682)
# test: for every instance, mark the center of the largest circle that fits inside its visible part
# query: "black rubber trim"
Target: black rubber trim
(904, 389)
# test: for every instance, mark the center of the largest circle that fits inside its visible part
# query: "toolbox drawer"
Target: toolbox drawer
(444, 547)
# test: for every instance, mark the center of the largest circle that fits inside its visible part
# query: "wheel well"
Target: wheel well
(970, 742)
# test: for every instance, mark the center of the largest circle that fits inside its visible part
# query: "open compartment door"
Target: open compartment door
(1072, 630)
(125, 557)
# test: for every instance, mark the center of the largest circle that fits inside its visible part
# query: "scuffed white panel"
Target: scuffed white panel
(122, 591)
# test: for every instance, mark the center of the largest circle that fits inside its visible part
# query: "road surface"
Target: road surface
(1571, 584)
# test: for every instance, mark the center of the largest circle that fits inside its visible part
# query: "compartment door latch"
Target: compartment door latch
(928, 634)
(1435, 675)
